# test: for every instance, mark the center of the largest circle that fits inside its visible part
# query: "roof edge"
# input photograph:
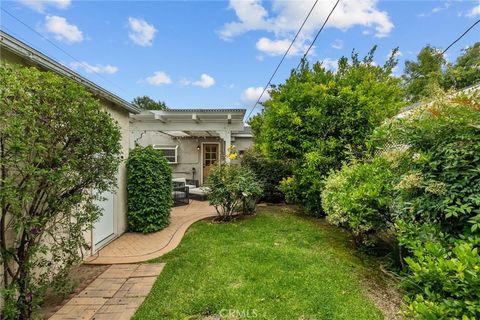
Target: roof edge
(27, 52)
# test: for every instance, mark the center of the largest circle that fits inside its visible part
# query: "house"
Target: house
(192, 140)
(113, 222)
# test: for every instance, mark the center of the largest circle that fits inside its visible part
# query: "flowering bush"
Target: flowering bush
(232, 152)
(433, 153)
(231, 186)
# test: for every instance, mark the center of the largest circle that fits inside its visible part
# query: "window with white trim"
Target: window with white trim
(170, 152)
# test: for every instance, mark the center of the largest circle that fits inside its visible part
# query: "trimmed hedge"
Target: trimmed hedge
(149, 187)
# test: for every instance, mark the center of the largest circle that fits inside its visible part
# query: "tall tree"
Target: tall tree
(147, 103)
(466, 69)
(318, 117)
(424, 73)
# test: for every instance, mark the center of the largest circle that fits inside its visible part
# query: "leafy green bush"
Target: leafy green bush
(231, 186)
(444, 282)
(269, 172)
(442, 183)
(318, 118)
(149, 186)
(57, 145)
(359, 197)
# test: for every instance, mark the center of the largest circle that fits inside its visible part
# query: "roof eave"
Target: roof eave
(25, 51)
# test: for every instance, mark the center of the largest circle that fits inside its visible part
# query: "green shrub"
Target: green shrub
(441, 185)
(359, 197)
(269, 172)
(437, 205)
(149, 186)
(231, 186)
(318, 118)
(444, 282)
(57, 145)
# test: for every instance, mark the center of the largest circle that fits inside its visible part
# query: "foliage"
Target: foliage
(444, 282)
(424, 73)
(431, 70)
(149, 187)
(433, 157)
(247, 265)
(269, 171)
(359, 197)
(442, 183)
(318, 118)
(231, 186)
(466, 70)
(147, 103)
(57, 145)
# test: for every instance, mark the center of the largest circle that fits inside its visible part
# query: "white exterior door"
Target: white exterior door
(104, 228)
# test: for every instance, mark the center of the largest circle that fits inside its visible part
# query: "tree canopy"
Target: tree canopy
(318, 117)
(431, 70)
(147, 103)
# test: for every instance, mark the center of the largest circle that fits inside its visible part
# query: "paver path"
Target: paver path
(137, 247)
(115, 294)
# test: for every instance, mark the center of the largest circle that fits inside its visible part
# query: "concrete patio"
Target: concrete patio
(137, 247)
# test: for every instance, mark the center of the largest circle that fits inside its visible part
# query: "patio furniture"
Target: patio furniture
(194, 191)
(180, 193)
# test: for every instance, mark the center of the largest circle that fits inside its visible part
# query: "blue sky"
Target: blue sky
(219, 53)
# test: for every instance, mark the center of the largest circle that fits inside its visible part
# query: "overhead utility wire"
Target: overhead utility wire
(463, 34)
(283, 58)
(62, 50)
(316, 36)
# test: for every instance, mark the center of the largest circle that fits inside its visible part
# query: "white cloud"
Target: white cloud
(437, 9)
(41, 5)
(62, 30)
(205, 81)
(141, 32)
(98, 68)
(159, 78)
(337, 44)
(251, 14)
(285, 17)
(330, 64)
(251, 94)
(279, 47)
(475, 11)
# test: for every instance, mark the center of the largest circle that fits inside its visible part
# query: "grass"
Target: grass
(276, 265)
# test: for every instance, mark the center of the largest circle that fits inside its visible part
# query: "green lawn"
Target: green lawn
(276, 265)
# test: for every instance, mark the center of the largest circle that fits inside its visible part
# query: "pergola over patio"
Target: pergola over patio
(193, 123)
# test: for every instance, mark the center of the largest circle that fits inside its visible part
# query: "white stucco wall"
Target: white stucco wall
(188, 155)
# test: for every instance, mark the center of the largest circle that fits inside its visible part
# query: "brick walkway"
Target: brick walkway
(115, 294)
(137, 247)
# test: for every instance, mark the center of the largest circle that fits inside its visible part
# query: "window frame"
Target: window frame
(163, 147)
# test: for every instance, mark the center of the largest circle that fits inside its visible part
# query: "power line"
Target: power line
(463, 34)
(283, 58)
(62, 50)
(316, 36)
